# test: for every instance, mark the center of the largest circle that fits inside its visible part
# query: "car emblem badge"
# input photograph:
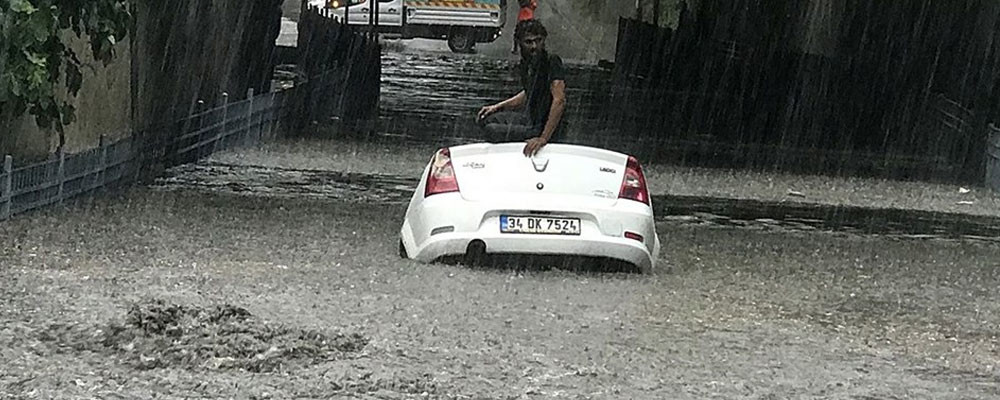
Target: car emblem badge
(604, 193)
(540, 186)
(540, 164)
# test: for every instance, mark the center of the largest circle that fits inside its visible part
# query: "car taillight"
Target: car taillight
(633, 236)
(634, 184)
(441, 178)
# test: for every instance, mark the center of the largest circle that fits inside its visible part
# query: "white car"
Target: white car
(567, 200)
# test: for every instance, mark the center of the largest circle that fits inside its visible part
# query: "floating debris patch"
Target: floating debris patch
(160, 335)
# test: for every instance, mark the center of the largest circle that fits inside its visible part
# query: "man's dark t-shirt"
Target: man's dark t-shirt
(537, 84)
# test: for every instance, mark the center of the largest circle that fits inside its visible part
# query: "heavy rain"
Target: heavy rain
(219, 199)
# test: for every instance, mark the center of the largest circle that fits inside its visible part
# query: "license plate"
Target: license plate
(539, 225)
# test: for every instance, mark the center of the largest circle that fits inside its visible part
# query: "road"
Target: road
(180, 291)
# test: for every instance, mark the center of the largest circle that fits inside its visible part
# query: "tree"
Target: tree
(34, 59)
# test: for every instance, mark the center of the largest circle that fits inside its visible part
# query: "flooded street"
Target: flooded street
(268, 282)
(816, 171)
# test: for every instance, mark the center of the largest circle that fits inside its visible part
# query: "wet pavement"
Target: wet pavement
(698, 210)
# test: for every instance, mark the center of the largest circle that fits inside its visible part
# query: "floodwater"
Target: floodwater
(260, 282)
(386, 188)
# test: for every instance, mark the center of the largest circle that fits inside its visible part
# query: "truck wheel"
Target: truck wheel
(460, 40)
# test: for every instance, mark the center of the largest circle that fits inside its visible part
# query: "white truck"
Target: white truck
(463, 23)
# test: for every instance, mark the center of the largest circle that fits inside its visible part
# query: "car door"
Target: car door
(357, 12)
(390, 12)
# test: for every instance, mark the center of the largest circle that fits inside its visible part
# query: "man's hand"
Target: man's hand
(487, 111)
(534, 144)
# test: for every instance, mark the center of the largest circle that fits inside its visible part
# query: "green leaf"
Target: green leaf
(41, 25)
(32, 56)
(22, 6)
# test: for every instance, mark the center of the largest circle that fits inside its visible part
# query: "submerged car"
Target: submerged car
(567, 200)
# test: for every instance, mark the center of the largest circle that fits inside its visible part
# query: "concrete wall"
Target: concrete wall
(291, 9)
(587, 30)
(669, 11)
(102, 107)
(180, 52)
(190, 50)
(816, 26)
(819, 27)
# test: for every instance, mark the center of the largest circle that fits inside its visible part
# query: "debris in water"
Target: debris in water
(160, 335)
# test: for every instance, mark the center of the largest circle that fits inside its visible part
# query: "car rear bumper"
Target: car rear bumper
(616, 248)
(444, 225)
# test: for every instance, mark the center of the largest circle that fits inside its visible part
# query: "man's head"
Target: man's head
(531, 35)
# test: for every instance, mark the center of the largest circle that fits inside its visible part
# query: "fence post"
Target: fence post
(104, 162)
(272, 115)
(6, 193)
(246, 134)
(225, 122)
(260, 127)
(200, 110)
(61, 173)
(134, 157)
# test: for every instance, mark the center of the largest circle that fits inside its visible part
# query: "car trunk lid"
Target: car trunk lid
(486, 171)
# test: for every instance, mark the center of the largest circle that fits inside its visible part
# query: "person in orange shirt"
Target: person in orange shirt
(527, 12)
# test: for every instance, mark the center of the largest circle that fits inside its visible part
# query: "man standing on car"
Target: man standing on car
(543, 96)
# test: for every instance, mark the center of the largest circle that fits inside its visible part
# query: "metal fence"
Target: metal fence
(145, 152)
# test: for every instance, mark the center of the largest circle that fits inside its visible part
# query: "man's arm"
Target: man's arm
(515, 102)
(556, 110)
(512, 103)
(555, 116)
